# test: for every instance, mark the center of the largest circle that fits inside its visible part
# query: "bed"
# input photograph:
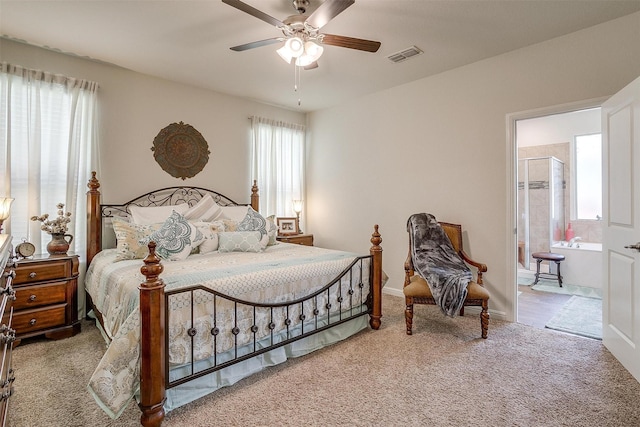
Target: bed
(180, 328)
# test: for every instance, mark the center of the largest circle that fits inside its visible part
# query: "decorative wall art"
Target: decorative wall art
(180, 150)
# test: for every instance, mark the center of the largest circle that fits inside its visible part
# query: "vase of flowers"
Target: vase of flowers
(57, 228)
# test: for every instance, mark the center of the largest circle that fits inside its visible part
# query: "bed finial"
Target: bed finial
(152, 267)
(254, 196)
(93, 183)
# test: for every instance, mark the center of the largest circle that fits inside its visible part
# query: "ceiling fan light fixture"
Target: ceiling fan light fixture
(285, 54)
(295, 46)
(312, 52)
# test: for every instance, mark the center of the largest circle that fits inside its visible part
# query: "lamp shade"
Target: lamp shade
(312, 52)
(5, 207)
(297, 206)
(285, 54)
(295, 46)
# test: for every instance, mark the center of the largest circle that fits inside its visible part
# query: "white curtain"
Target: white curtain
(278, 153)
(48, 147)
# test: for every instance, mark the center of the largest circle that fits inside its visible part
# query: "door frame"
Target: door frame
(512, 188)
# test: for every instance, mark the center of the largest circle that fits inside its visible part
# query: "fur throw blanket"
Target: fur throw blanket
(435, 259)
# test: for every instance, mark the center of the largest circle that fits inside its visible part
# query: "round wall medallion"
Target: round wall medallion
(180, 150)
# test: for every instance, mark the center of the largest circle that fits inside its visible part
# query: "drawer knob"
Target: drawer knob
(32, 298)
(32, 275)
(32, 322)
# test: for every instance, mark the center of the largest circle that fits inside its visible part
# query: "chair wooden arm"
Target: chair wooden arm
(480, 266)
(408, 270)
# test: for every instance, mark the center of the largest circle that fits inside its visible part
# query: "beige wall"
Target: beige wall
(439, 145)
(134, 107)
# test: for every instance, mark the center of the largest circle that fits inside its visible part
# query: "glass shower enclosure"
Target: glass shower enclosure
(541, 206)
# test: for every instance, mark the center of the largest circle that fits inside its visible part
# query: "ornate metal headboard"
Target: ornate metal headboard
(166, 197)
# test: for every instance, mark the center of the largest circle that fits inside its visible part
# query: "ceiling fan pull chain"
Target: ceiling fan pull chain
(296, 82)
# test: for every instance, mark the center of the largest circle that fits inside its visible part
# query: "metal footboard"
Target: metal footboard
(258, 328)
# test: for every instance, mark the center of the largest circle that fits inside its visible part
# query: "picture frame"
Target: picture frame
(288, 226)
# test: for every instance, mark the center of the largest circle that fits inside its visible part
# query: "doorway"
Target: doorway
(545, 159)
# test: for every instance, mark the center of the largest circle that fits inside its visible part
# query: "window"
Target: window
(278, 152)
(48, 139)
(588, 176)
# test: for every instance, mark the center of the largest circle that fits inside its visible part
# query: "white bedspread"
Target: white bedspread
(283, 272)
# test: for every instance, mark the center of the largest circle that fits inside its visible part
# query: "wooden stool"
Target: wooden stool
(547, 256)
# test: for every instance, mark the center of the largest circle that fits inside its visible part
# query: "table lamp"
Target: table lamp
(5, 209)
(297, 208)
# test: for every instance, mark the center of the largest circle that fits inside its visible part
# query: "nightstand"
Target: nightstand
(46, 297)
(298, 239)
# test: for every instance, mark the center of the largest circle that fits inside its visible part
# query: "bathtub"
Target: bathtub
(582, 265)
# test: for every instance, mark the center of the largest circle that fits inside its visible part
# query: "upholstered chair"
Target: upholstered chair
(417, 291)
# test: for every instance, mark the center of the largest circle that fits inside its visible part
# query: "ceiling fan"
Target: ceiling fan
(301, 32)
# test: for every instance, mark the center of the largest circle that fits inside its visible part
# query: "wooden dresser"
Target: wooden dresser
(298, 239)
(46, 297)
(7, 334)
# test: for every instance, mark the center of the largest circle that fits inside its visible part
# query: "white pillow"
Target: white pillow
(235, 213)
(210, 232)
(175, 239)
(242, 241)
(154, 214)
(206, 210)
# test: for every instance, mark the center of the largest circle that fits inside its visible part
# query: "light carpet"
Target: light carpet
(580, 316)
(443, 375)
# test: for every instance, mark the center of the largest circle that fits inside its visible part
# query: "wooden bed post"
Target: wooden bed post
(152, 341)
(376, 253)
(94, 219)
(254, 196)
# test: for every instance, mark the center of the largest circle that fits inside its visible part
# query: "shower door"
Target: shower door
(541, 201)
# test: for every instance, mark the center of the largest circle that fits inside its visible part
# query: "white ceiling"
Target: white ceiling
(188, 41)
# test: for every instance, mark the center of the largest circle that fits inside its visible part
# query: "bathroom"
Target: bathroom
(555, 153)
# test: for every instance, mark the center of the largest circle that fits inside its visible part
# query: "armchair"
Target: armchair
(416, 289)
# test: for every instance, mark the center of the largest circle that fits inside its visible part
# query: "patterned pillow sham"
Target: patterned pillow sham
(253, 221)
(210, 232)
(242, 241)
(128, 238)
(272, 230)
(176, 238)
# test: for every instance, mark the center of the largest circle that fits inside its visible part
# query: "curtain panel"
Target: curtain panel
(278, 153)
(48, 148)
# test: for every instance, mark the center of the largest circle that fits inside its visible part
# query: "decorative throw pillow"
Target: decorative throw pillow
(242, 241)
(272, 230)
(154, 214)
(175, 239)
(210, 232)
(235, 213)
(206, 210)
(230, 225)
(253, 221)
(128, 238)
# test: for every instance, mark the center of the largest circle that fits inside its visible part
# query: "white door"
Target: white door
(621, 226)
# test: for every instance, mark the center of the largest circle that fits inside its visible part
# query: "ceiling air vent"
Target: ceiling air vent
(405, 54)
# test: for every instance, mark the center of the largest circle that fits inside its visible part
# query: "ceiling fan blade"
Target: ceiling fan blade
(253, 45)
(311, 66)
(254, 12)
(327, 11)
(351, 42)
